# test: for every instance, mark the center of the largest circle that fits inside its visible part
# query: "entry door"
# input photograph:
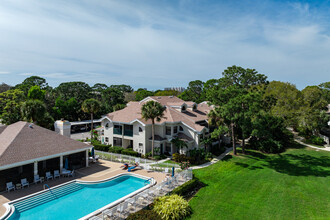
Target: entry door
(161, 149)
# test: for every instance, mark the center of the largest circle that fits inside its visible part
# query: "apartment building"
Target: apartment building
(185, 120)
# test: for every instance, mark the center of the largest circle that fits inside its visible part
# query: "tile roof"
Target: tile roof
(21, 142)
(133, 112)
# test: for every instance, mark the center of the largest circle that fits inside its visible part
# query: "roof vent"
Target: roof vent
(159, 97)
(30, 125)
(171, 96)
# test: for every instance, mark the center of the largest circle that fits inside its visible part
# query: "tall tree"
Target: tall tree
(194, 92)
(123, 88)
(33, 110)
(91, 106)
(4, 87)
(229, 93)
(140, 94)
(33, 81)
(152, 111)
(10, 106)
(36, 93)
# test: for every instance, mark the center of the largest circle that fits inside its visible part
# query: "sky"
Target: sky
(156, 43)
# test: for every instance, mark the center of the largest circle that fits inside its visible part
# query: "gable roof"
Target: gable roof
(22, 142)
(132, 112)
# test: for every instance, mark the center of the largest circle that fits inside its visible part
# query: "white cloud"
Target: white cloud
(153, 46)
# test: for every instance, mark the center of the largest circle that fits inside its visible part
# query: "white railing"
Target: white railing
(121, 158)
(147, 164)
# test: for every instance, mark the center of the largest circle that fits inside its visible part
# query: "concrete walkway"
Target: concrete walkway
(311, 146)
(214, 160)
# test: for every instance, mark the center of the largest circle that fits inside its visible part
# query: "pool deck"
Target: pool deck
(95, 172)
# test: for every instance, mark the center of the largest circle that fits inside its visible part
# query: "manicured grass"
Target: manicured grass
(171, 162)
(292, 185)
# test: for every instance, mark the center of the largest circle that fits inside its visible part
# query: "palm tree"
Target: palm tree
(33, 110)
(179, 143)
(152, 110)
(91, 106)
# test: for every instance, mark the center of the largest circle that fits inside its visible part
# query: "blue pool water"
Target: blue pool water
(87, 199)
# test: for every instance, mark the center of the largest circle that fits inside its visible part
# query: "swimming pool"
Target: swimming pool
(77, 199)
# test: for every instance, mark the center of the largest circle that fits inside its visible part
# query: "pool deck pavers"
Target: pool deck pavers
(99, 171)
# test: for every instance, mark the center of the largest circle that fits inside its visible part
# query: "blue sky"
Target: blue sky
(155, 44)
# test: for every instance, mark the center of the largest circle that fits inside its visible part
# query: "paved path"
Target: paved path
(319, 148)
(214, 160)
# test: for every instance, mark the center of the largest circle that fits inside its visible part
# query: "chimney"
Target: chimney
(63, 127)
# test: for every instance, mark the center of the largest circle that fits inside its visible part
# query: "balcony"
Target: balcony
(117, 131)
(128, 133)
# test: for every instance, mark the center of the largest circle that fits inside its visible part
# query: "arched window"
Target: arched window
(183, 108)
(180, 128)
(140, 129)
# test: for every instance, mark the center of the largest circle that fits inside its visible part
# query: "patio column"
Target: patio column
(35, 170)
(86, 158)
(171, 149)
(61, 163)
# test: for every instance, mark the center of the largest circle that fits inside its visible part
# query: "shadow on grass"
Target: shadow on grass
(291, 164)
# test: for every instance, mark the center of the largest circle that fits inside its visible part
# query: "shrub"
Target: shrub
(144, 214)
(147, 155)
(315, 140)
(184, 165)
(101, 147)
(130, 152)
(172, 207)
(116, 149)
(186, 187)
(179, 157)
(157, 157)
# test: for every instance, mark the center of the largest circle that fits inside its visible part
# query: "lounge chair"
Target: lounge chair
(49, 176)
(72, 174)
(166, 170)
(24, 182)
(123, 209)
(10, 186)
(56, 173)
(109, 213)
(36, 179)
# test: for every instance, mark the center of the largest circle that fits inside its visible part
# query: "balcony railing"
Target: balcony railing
(128, 133)
(117, 131)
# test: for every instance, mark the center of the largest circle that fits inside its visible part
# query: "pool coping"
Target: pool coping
(10, 209)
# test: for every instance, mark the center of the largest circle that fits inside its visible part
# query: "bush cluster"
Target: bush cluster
(130, 152)
(315, 140)
(116, 149)
(186, 187)
(172, 207)
(101, 147)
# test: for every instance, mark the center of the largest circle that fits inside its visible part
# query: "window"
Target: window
(168, 130)
(168, 147)
(107, 125)
(194, 107)
(140, 129)
(106, 139)
(117, 141)
(175, 129)
(140, 145)
(183, 108)
(180, 128)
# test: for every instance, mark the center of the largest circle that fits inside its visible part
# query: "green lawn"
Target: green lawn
(292, 185)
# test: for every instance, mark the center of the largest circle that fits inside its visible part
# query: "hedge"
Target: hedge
(101, 147)
(186, 187)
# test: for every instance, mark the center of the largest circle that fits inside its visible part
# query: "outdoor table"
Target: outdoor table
(18, 186)
(66, 172)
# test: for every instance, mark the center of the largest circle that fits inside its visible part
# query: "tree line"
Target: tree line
(249, 107)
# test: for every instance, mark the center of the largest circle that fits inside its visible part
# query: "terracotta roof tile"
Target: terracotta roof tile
(133, 112)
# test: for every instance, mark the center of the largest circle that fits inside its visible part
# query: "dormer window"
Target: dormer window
(140, 129)
(180, 128)
(107, 125)
(194, 107)
(183, 108)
